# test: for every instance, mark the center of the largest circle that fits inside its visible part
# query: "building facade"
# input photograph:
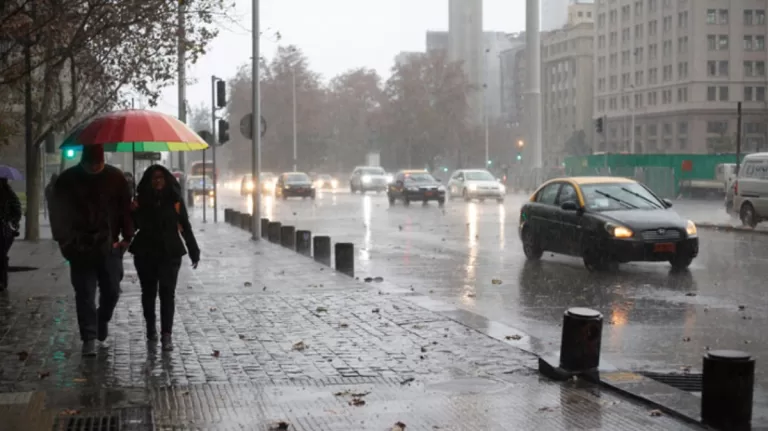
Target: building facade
(406, 57)
(465, 44)
(676, 70)
(555, 13)
(437, 41)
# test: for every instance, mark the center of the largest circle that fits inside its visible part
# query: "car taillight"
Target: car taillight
(736, 187)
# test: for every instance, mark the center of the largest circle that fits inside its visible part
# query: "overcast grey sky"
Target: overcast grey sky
(336, 35)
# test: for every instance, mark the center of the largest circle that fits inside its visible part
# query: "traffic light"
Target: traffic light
(489, 162)
(69, 154)
(519, 157)
(223, 131)
(599, 125)
(221, 94)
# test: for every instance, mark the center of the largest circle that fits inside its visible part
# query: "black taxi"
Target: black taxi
(605, 221)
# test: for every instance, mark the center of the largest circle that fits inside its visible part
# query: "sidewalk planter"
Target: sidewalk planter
(264, 227)
(304, 242)
(321, 246)
(344, 253)
(273, 231)
(288, 237)
(727, 388)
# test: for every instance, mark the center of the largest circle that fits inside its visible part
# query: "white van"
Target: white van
(750, 190)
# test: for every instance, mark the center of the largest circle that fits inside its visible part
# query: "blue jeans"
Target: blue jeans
(86, 277)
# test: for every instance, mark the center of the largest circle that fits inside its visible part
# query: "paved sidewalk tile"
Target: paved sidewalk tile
(265, 335)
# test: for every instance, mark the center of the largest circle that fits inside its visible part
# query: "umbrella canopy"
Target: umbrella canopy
(10, 173)
(135, 130)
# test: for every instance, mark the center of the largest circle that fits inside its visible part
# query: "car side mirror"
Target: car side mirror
(569, 206)
(667, 203)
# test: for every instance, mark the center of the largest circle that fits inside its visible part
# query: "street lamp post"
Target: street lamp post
(293, 75)
(255, 123)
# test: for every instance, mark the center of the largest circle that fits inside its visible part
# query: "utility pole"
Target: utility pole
(255, 124)
(182, 86)
(293, 74)
(738, 137)
(533, 96)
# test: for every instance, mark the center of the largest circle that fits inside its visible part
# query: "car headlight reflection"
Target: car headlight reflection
(390, 178)
(249, 186)
(502, 188)
(690, 229)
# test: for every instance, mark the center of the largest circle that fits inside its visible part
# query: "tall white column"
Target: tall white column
(533, 95)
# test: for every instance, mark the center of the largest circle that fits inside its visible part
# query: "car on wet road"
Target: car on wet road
(415, 185)
(368, 178)
(294, 184)
(475, 184)
(605, 221)
(325, 182)
(267, 184)
(199, 186)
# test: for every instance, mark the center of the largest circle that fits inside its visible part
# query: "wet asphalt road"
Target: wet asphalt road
(655, 320)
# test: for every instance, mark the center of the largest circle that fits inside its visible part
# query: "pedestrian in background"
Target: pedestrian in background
(10, 217)
(162, 221)
(91, 209)
(49, 192)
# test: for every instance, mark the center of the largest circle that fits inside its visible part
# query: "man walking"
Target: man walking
(91, 209)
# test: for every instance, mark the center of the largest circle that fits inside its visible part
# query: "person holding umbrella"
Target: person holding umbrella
(160, 216)
(10, 217)
(91, 209)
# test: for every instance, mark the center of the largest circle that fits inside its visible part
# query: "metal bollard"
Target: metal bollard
(728, 381)
(234, 219)
(304, 242)
(344, 253)
(227, 214)
(580, 343)
(321, 246)
(264, 227)
(245, 221)
(288, 237)
(273, 231)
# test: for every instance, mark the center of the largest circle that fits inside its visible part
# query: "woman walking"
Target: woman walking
(10, 216)
(162, 221)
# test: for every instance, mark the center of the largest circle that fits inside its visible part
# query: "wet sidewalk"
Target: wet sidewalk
(267, 339)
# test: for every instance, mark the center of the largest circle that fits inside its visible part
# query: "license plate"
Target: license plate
(428, 194)
(665, 247)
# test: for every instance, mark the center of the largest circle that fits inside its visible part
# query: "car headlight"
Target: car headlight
(249, 186)
(413, 189)
(619, 231)
(441, 188)
(472, 187)
(334, 183)
(210, 192)
(366, 178)
(690, 229)
(502, 188)
(390, 178)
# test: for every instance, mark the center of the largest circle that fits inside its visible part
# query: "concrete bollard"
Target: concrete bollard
(273, 231)
(245, 221)
(580, 343)
(728, 381)
(304, 242)
(344, 254)
(321, 246)
(234, 218)
(264, 227)
(288, 237)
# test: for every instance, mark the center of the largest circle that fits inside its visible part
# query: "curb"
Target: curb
(730, 228)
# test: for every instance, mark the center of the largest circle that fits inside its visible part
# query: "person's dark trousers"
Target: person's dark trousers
(5, 246)
(86, 278)
(158, 276)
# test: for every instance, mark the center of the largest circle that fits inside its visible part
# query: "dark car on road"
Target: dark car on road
(605, 221)
(294, 184)
(415, 185)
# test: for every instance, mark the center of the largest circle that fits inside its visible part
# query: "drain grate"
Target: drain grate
(685, 382)
(127, 419)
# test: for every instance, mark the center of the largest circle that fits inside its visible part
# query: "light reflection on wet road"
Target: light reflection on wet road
(453, 254)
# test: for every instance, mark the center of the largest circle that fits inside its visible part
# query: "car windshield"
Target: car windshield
(372, 171)
(296, 178)
(479, 176)
(324, 177)
(266, 175)
(619, 196)
(419, 177)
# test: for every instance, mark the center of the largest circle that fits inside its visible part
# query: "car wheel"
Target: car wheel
(594, 261)
(531, 246)
(681, 261)
(465, 195)
(747, 215)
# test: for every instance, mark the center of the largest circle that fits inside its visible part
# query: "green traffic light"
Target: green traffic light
(69, 153)
(519, 157)
(445, 169)
(489, 162)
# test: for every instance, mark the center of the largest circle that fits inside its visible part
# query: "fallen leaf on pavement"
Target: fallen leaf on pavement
(375, 310)
(471, 295)
(216, 353)
(368, 279)
(342, 393)
(264, 288)
(321, 310)
(357, 402)
(495, 281)
(686, 339)
(79, 380)
(690, 294)
(43, 374)
(546, 409)
(279, 426)
(423, 349)
(299, 346)
(213, 309)
(241, 336)
(23, 355)
(378, 279)
(513, 337)
(655, 413)
(399, 426)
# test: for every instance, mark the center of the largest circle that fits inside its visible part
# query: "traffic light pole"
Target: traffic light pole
(255, 123)
(213, 146)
